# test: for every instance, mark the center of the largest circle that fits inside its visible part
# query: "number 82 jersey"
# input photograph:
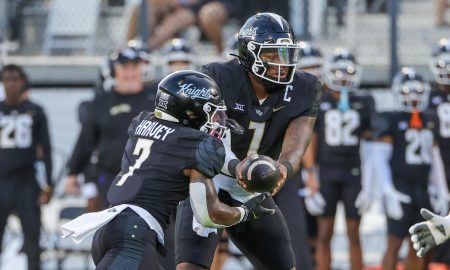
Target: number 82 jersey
(339, 132)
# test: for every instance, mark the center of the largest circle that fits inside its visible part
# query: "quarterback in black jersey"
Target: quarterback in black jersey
(170, 154)
(344, 120)
(440, 102)
(277, 107)
(24, 140)
(405, 157)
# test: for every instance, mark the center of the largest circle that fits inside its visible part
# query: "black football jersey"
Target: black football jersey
(264, 123)
(440, 102)
(155, 156)
(104, 128)
(339, 132)
(412, 148)
(22, 128)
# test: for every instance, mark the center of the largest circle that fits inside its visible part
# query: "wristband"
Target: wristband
(289, 168)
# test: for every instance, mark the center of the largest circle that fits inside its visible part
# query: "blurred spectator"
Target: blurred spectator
(179, 56)
(339, 6)
(166, 18)
(441, 7)
(106, 120)
(280, 7)
(24, 142)
(213, 16)
(106, 79)
(15, 18)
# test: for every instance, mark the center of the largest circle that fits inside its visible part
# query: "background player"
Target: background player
(404, 154)
(179, 56)
(440, 101)
(169, 155)
(277, 107)
(343, 121)
(24, 141)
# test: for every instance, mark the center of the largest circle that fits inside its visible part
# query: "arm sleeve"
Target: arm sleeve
(209, 157)
(44, 140)
(231, 161)
(382, 153)
(87, 140)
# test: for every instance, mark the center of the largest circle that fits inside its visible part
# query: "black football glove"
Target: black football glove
(234, 126)
(254, 210)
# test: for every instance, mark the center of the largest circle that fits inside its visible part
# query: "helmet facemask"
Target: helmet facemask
(440, 66)
(275, 63)
(215, 124)
(412, 95)
(343, 76)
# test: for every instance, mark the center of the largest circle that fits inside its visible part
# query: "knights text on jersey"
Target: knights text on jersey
(440, 102)
(155, 156)
(22, 128)
(412, 148)
(264, 124)
(339, 132)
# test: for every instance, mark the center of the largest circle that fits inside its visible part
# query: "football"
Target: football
(260, 173)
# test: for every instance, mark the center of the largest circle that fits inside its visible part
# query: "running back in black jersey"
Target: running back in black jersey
(440, 102)
(265, 124)
(412, 148)
(22, 128)
(339, 132)
(155, 156)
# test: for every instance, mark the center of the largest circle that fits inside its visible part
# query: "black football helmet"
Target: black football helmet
(180, 51)
(192, 99)
(311, 59)
(410, 90)
(342, 72)
(267, 41)
(440, 62)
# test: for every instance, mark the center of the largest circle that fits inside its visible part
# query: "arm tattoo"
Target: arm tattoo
(296, 140)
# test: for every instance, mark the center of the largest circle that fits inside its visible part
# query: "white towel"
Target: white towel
(200, 229)
(86, 224)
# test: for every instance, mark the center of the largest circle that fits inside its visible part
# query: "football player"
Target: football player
(311, 59)
(169, 155)
(344, 120)
(405, 157)
(179, 56)
(24, 141)
(277, 107)
(440, 102)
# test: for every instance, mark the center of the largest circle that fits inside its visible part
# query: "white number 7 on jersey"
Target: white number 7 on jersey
(142, 149)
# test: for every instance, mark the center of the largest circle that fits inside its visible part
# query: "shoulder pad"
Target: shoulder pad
(210, 156)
